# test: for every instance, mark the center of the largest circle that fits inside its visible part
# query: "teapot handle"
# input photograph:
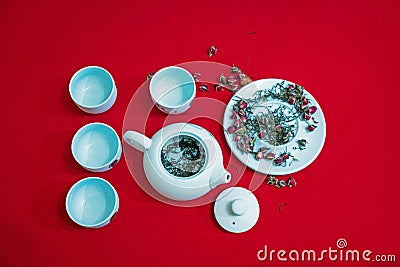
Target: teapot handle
(137, 140)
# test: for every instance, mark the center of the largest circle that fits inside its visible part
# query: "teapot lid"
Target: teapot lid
(236, 209)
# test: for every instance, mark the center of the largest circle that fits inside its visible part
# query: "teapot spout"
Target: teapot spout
(221, 177)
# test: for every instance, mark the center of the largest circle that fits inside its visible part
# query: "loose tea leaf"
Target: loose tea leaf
(183, 156)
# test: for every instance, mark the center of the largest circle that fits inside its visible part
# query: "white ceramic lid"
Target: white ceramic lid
(236, 209)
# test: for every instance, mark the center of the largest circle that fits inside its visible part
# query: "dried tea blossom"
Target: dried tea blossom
(279, 183)
(203, 87)
(151, 74)
(196, 76)
(212, 50)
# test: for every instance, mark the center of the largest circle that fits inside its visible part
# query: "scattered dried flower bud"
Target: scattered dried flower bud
(311, 127)
(245, 80)
(259, 155)
(291, 182)
(290, 87)
(232, 80)
(285, 156)
(237, 138)
(306, 116)
(262, 135)
(278, 161)
(234, 88)
(151, 74)
(242, 104)
(222, 79)
(212, 50)
(271, 180)
(270, 156)
(218, 87)
(278, 128)
(196, 76)
(241, 146)
(302, 142)
(243, 119)
(263, 149)
(231, 129)
(235, 69)
(237, 124)
(305, 101)
(248, 140)
(292, 100)
(203, 87)
(240, 131)
(312, 109)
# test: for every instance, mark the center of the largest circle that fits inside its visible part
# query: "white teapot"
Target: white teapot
(182, 161)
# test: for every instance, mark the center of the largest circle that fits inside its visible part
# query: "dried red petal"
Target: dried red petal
(292, 100)
(306, 116)
(278, 161)
(312, 109)
(311, 127)
(270, 156)
(285, 156)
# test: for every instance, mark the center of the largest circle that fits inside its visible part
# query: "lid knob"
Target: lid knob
(238, 207)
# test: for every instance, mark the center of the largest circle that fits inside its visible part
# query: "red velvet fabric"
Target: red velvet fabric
(344, 52)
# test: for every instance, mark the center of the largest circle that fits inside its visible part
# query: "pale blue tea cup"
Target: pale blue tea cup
(93, 89)
(172, 90)
(92, 202)
(96, 147)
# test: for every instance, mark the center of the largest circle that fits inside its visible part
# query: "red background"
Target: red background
(344, 52)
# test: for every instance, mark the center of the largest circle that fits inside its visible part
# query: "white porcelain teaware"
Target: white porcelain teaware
(182, 161)
(172, 89)
(93, 89)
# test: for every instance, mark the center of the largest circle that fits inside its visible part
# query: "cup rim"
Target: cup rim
(74, 140)
(192, 81)
(109, 216)
(86, 68)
